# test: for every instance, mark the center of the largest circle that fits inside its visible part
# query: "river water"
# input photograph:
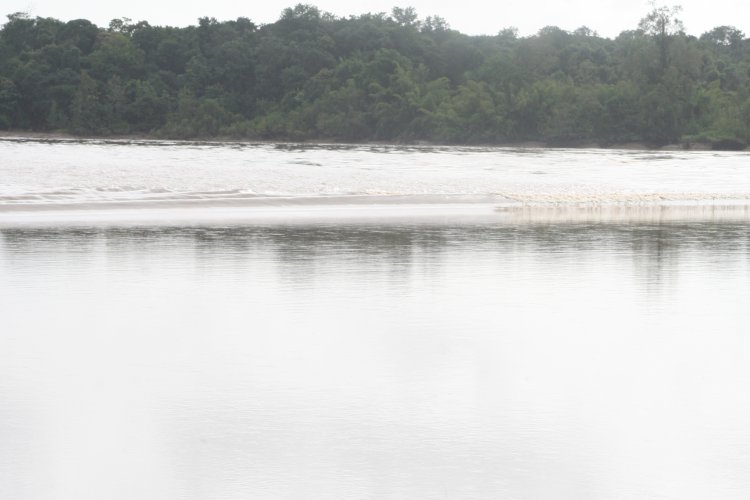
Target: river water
(219, 321)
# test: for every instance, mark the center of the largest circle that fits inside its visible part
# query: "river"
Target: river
(214, 321)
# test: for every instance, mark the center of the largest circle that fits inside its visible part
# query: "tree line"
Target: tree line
(376, 77)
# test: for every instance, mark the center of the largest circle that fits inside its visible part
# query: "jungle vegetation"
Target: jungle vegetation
(376, 77)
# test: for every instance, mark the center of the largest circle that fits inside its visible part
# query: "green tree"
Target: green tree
(88, 111)
(662, 24)
(8, 103)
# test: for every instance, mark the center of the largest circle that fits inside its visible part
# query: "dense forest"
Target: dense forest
(376, 77)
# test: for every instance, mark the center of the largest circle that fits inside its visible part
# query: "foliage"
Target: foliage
(385, 77)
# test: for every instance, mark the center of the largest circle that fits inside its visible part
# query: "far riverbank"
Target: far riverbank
(52, 136)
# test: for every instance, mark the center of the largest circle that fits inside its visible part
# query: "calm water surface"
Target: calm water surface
(462, 355)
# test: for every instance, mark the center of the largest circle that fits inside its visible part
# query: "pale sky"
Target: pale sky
(473, 17)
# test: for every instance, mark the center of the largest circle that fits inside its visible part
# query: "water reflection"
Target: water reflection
(302, 251)
(391, 240)
(375, 361)
(306, 254)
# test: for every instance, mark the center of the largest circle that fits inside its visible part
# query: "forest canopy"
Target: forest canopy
(376, 77)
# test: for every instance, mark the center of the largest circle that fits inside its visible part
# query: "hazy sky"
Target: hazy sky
(608, 17)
